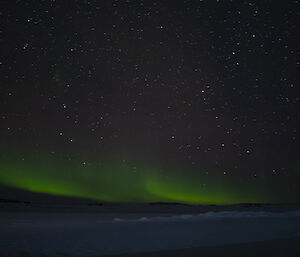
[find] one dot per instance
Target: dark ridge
(13, 201)
(97, 204)
(168, 203)
(253, 204)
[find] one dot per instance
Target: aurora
(122, 181)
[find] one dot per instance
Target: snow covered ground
(104, 234)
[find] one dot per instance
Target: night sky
(140, 101)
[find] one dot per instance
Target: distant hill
(14, 195)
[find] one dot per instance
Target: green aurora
(123, 182)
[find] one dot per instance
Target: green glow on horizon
(120, 182)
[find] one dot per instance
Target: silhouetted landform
(167, 203)
(13, 201)
(150, 208)
(253, 204)
(97, 204)
(35, 197)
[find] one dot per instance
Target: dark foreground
(149, 230)
(271, 248)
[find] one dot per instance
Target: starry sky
(140, 101)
